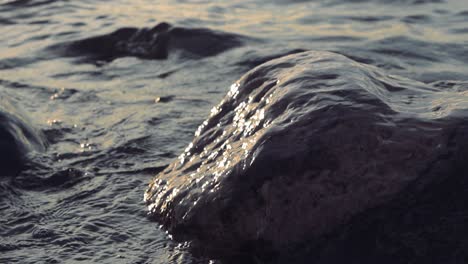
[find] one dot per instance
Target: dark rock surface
(153, 43)
(317, 153)
(17, 138)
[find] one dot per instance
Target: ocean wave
(154, 43)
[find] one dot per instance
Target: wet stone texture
(319, 152)
(18, 137)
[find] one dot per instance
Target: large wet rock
(304, 145)
(18, 137)
(153, 43)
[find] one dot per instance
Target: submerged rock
(301, 147)
(17, 138)
(154, 43)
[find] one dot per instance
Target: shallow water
(113, 122)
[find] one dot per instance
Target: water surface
(113, 122)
